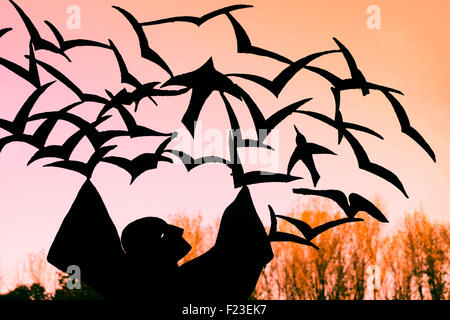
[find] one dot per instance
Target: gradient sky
(409, 53)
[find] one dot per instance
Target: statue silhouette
(143, 264)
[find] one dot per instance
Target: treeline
(355, 261)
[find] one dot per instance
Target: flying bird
(355, 73)
(4, 31)
(190, 163)
(133, 129)
(84, 97)
(141, 163)
(406, 126)
(277, 85)
(17, 126)
(203, 82)
(86, 169)
(364, 162)
(146, 51)
(38, 42)
(31, 75)
(241, 178)
(244, 44)
(339, 124)
(237, 130)
(94, 137)
(304, 152)
(278, 236)
(349, 83)
(125, 75)
(310, 233)
(65, 45)
(197, 20)
(351, 207)
(65, 150)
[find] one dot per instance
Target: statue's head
(152, 235)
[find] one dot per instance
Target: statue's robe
(229, 270)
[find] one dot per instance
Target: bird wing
(287, 237)
(4, 31)
(331, 224)
(61, 77)
(273, 222)
(21, 72)
(283, 113)
(244, 44)
(196, 20)
(336, 195)
(21, 118)
(365, 164)
(123, 163)
(354, 71)
(76, 166)
(318, 149)
(125, 75)
(287, 74)
(358, 127)
(406, 126)
(146, 51)
(359, 203)
(295, 157)
(302, 226)
(254, 177)
(164, 144)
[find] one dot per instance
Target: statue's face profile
(153, 236)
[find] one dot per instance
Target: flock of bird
(202, 83)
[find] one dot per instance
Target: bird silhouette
(31, 75)
(304, 152)
(84, 97)
(190, 163)
(94, 137)
(197, 20)
(310, 233)
(364, 162)
(241, 178)
(141, 163)
(125, 75)
(278, 236)
(355, 73)
(133, 129)
(277, 85)
(86, 169)
(146, 51)
(263, 126)
(244, 44)
(38, 42)
(349, 83)
(17, 126)
(203, 81)
(406, 126)
(4, 31)
(351, 206)
(65, 45)
(65, 150)
(237, 130)
(338, 122)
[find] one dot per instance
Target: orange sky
(409, 53)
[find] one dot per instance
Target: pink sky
(410, 53)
